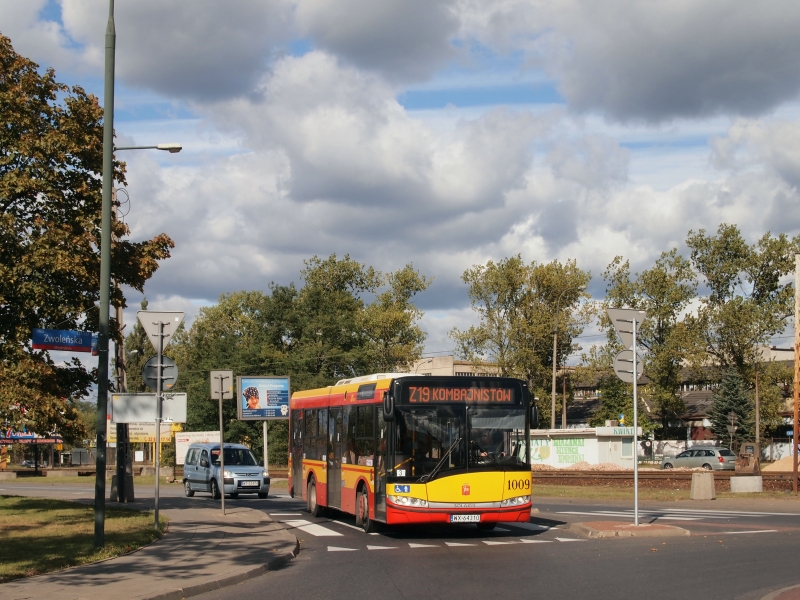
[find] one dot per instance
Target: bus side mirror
(534, 417)
(388, 406)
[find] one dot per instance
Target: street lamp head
(172, 148)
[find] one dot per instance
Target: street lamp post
(555, 354)
(105, 274)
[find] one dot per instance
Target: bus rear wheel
(311, 499)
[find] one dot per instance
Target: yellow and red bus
(400, 449)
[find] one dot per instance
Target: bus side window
(310, 441)
(296, 430)
(322, 435)
(350, 429)
(365, 435)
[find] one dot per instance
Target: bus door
(297, 453)
(381, 453)
(336, 445)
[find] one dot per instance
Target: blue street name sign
(62, 339)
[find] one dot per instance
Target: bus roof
(373, 377)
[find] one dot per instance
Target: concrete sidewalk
(202, 551)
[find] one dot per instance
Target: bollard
(703, 486)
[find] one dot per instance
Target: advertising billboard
(184, 439)
(263, 398)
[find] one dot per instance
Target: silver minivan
(243, 473)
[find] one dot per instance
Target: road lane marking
(381, 547)
(532, 526)
(312, 528)
(758, 531)
(569, 540)
(348, 525)
(524, 541)
(497, 543)
(458, 544)
(285, 514)
(337, 549)
(412, 545)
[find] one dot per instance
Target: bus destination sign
(426, 394)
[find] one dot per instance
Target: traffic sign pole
(158, 415)
(221, 445)
(635, 436)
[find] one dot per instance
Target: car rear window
(726, 453)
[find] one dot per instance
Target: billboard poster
(184, 439)
(140, 433)
(263, 398)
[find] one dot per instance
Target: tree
(747, 302)
(320, 333)
(519, 307)
(50, 212)
(667, 335)
(616, 398)
(732, 397)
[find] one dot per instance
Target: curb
(590, 532)
(202, 588)
(779, 593)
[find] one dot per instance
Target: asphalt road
(738, 549)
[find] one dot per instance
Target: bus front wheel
(311, 498)
(362, 512)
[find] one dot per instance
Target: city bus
(396, 449)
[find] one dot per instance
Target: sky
(442, 133)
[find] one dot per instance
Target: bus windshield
(484, 439)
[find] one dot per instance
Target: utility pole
(796, 368)
(105, 282)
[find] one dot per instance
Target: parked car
(243, 474)
(29, 464)
(711, 459)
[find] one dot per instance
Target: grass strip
(42, 535)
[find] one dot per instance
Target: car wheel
(313, 507)
(707, 466)
(667, 466)
(215, 490)
(262, 495)
(187, 489)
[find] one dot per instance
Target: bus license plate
(465, 518)
(249, 484)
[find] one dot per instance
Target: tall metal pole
(159, 376)
(796, 368)
(105, 283)
(553, 409)
(266, 451)
(635, 436)
(564, 399)
(221, 445)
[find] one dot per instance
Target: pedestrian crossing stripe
(312, 528)
(422, 545)
(381, 547)
(458, 544)
(337, 549)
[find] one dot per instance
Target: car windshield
(481, 438)
(234, 457)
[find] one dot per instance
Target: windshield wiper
(429, 477)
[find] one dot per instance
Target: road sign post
(219, 390)
(621, 318)
(160, 325)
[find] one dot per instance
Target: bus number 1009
(519, 484)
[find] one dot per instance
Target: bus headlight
(517, 501)
(408, 501)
